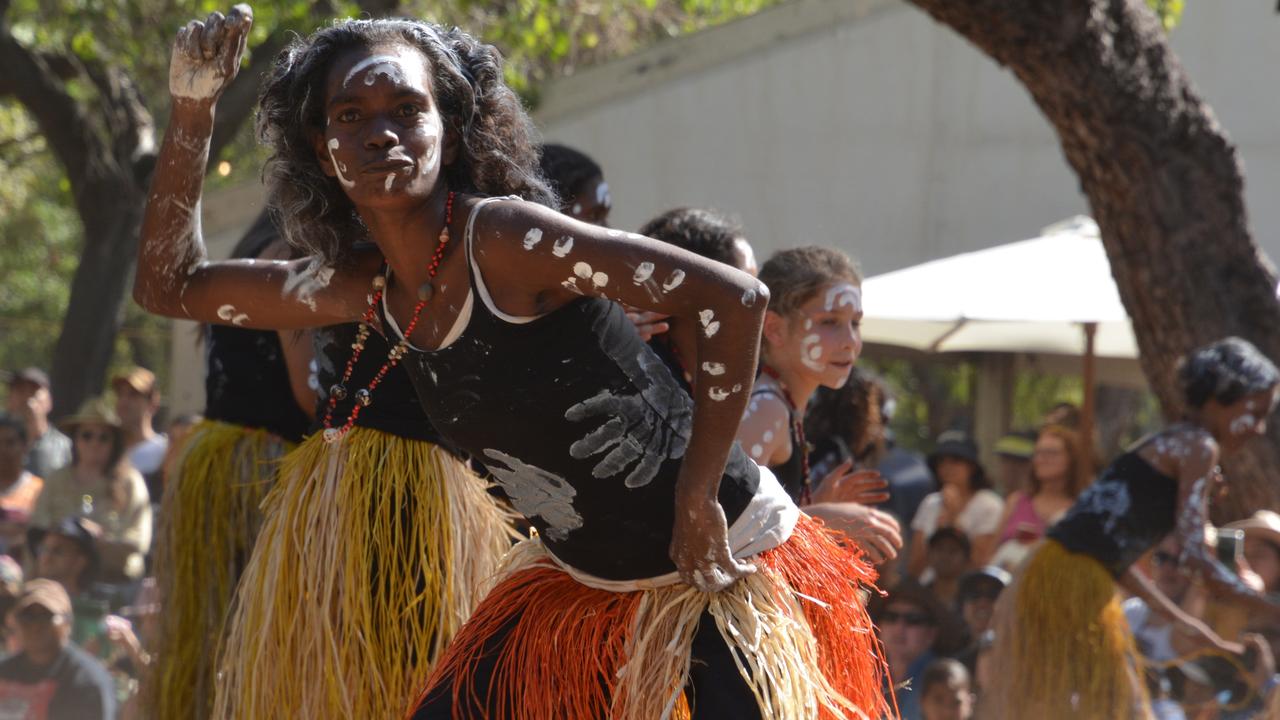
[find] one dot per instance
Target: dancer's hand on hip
(700, 547)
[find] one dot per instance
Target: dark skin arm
(296, 346)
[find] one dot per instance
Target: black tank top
(1127, 511)
(791, 472)
(395, 408)
(246, 379)
(579, 422)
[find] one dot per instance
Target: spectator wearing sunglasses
(102, 486)
(915, 629)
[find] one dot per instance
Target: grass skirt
(799, 626)
(374, 551)
(209, 520)
(1063, 646)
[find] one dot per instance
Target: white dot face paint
(338, 167)
(811, 351)
(532, 238)
(713, 368)
(757, 452)
(582, 270)
(644, 271)
(717, 393)
(710, 325)
(768, 436)
(843, 294)
(378, 66)
(562, 247)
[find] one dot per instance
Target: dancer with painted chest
(378, 540)
(1063, 647)
(669, 568)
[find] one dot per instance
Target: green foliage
(1169, 12)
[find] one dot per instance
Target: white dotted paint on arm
(562, 247)
(231, 315)
(532, 238)
(673, 280)
(644, 271)
(710, 325)
(713, 368)
(303, 284)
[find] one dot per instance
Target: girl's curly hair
(497, 153)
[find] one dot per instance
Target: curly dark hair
(853, 413)
(794, 276)
(497, 151)
(1225, 371)
(568, 171)
(702, 232)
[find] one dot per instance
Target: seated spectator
(68, 555)
(1153, 632)
(10, 589)
(101, 485)
(1013, 452)
(1262, 546)
(978, 591)
(51, 677)
(914, 628)
(19, 488)
(946, 692)
(1059, 472)
(963, 501)
(137, 400)
(948, 559)
(29, 401)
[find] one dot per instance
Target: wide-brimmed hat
(95, 410)
(1263, 524)
(958, 444)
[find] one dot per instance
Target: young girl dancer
(257, 407)
(660, 543)
(1063, 647)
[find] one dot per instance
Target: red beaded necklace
(364, 396)
(797, 427)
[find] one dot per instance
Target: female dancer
(257, 407)
(1062, 611)
(389, 130)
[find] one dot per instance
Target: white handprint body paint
(387, 66)
(303, 284)
(643, 430)
(339, 168)
(536, 493)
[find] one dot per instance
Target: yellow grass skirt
(799, 627)
(1063, 646)
(374, 551)
(208, 523)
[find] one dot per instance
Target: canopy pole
(1090, 380)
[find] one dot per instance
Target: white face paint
(303, 284)
(582, 270)
(713, 368)
(562, 247)
(673, 280)
(387, 66)
(391, 178)
(757, 452)
(644, 271)
(532, 238)
(768, 436)
(843, 294)
(710, 325)
(808, 323)
(810, 351)
(338, 167)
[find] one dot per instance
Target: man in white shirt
(137, 400)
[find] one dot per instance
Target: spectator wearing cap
(137, 400)
(29, 400)
(68, 555)
(51, 678)
(976, 600)
(19, 487)
(1013, 455)
(1262, 546)
(915, 629)
(102, 486)
(964, 501)
(1060, 471)
(948, 559)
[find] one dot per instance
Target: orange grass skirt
(799, 627)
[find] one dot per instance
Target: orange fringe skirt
(799, 629)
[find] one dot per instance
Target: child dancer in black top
(660, 542)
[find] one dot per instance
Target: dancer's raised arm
(174, 277)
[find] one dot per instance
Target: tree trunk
(1163, 182)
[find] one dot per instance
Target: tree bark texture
(1162, 179)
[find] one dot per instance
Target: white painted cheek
(644, 271)
(562, 247)
(532, 238)
(811, 352)
(673, 280)
(338, 167)
(391, 178)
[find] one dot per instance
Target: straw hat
(96, 410)
(1263, 524)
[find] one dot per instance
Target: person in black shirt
(51, 678)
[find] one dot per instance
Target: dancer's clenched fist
(206, 55)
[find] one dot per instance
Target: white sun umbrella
(1033, 296)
